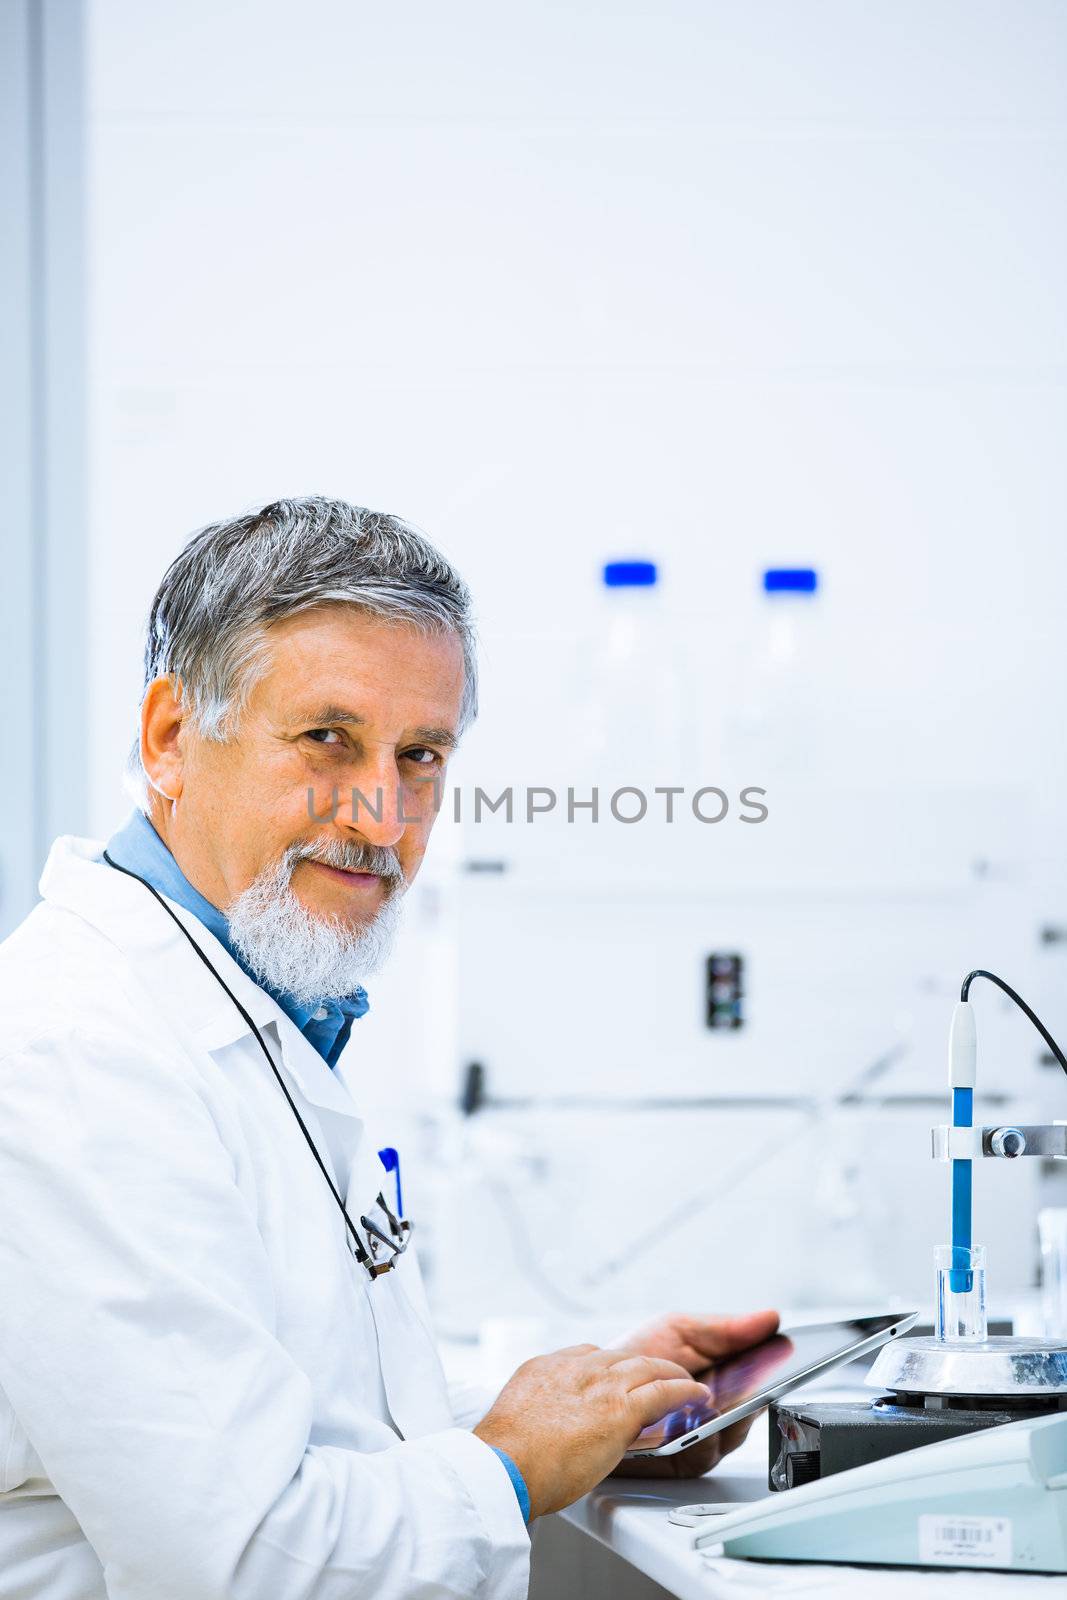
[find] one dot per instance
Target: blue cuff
(518, 1482)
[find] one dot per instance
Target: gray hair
(219, 597)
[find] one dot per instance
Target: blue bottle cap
(629, 574)
(790, 580)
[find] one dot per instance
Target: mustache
(349, 857)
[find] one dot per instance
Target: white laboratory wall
(725, 284)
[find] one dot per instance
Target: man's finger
(692, 1359)
(637, 1370)
(717, 1337)
(654, 1400)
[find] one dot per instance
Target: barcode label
(965, 1541)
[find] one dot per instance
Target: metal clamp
(1003, 1141)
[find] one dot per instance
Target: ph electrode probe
(961, 1287)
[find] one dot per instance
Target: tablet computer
(746, 1383)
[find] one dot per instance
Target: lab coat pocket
(414, 1381)
(19, 1461)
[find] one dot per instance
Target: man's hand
(697, 1343)
(566, 1419)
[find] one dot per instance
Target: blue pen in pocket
(390, 1160)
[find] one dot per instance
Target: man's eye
(422, 757)
(323, 735)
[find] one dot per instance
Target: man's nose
(374, 809)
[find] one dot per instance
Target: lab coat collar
(77, 878)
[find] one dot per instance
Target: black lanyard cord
(357, 1243)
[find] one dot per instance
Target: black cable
(980, 972)
(360, 1252)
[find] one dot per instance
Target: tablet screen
(779, 1363)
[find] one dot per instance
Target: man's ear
(162, 715)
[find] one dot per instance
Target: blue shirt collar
(137, 846)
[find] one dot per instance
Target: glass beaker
(1052, 1232)
(961, 1313)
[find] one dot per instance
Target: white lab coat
(202, 1395)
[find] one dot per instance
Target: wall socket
(724, 990)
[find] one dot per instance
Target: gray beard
(314, 958)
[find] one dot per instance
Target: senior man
(217, 1374)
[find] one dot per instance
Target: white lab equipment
(961, 1460)
(992, 1500)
